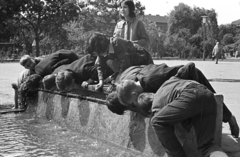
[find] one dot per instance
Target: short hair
(98, 42)
(131, 7)
(124, 90)
(63, 79)
(32, 81)
(49, 81)
(114, 105)
(24, 59)
(145, 103)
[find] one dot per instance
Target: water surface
(22, 135)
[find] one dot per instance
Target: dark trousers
(195, 104)
(217, 57)
(189, 71)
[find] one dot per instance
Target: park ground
(224, 77)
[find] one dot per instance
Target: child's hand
(85, 85)
(110, 89)
(99, 86)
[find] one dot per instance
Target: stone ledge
(131, 132)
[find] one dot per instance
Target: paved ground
(8, 74)
(228, 70)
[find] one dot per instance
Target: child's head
(32, 82)
(145, 103)
(128, 91)
(64, 80)
(127, 9)
(49, 82)
(98, 44)
(114, 105)
(27, 62)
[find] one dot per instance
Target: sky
(227, 10)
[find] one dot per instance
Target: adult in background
(149, 79)
(189, 103)
(130, 27)
(216, 52)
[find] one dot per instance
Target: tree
(186, 28)
(99, 16)
(183, 16)
(179, 18)
(152, 31)
(228, 28)
(230, 36)
(176, 45)
(102, 15)
(43, 16)
(228, 39)
(56, 23)
(7, 24)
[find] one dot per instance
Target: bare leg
(14, 86)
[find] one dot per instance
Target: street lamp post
(204, 21)
(158, 40)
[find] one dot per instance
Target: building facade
(160, 21)
(237, 23)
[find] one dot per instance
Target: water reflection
(24, 136)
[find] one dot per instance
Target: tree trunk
(37, 46)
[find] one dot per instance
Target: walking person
(216, 52)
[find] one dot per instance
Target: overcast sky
(227, 10)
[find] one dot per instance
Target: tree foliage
(187, 29)
(230, 37)
(68, 23)
(7, 22)
(41, 17)
(183, 16)
(99, 16)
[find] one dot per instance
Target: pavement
(225, 79)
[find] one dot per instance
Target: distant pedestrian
(236, 54)
(216, 52)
